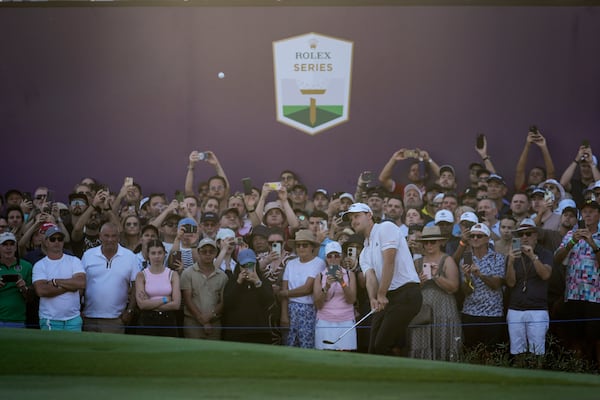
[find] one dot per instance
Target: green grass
(51, 365)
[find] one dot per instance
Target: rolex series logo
(312, 81)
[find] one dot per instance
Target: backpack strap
(441, 270)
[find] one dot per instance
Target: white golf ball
(221, 75)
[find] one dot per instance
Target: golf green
(57, 365)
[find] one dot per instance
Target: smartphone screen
(323, 225)
(247, 184)
(516, 244)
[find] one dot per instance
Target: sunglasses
(56, 239)
(477, 236)
(334, 255)
(41, 196)
(207, 251)
(9, 243)
(527, 234)
(78, 203)
(303, 245)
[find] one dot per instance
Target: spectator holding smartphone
(588, 173)
(334, 294)
(439, 281)
(297, 308)
(246, 300)
(537, 174)
(15, 283)
(528, 269)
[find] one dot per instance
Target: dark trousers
(490, 331)
(390, 326)
(157, 323)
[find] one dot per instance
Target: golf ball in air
(221, 75)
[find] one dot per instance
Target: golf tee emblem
(313, 75)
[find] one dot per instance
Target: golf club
(349, 329)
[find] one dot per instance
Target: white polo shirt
(386, 235)
(108, 282)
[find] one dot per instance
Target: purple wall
(116, 91)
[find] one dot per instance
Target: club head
(328, 342)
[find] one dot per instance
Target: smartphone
(174, 257)
(10, 278)
(366, 176)
(411, 154)
(480, 141)
(534, 129)
(548, 197)
(202, 155)
(190, 228)
(351, 253)
(332, 270)
(516, 244)
(179, 196)
(585, 143)
(27, 196)
(581, 224)
(247, 184)
(468, 258)
(239, 240)
(323, 225)
(274, 185)
(250, 266)
(427, 270)
(276, 247)
(129, 181)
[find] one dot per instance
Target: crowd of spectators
(278, 264)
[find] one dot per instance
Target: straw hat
(431, 233)
(304, 235)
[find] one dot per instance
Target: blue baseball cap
(246, 256)
(187, 221)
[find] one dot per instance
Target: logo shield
(313, 74)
